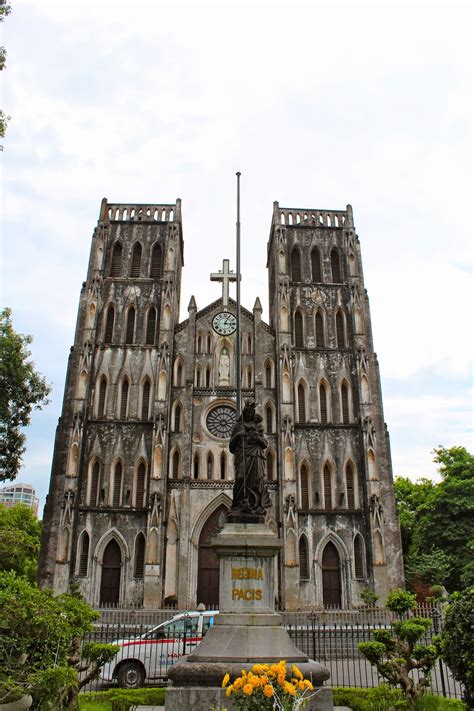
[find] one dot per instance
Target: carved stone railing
(129, 212)
(311, 217)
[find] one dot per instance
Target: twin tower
(142, 475)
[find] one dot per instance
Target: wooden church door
(208, 563)
(332, 592)
(111, 571)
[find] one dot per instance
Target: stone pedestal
(246, 631)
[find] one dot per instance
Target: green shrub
(383, 698)
(122, 699)
(458, 641)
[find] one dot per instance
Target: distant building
(19, 494)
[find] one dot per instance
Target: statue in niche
(250, 500)
(224, 367)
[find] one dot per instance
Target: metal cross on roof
(225, 276)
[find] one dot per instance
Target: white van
(150, 655)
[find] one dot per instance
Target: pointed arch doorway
(331, 567)
(208, 563)
(111, 572)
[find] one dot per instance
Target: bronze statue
(250, 497)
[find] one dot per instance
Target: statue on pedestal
(250, 500)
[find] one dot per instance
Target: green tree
(436, 521)
(22, 388)
(458, 641)
(41, 645)
(397, 652)
(19, 540)
(5, 10)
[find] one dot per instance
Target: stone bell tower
(340, 526)
(103, 513)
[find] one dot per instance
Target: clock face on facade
(224, 323)
(220, 421)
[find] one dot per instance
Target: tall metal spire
(237, 336)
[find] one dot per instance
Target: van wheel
(131, 675)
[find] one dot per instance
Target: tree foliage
(458, 641)
(5, 9)
(40, 644)
(22, 388)
(436, 522)
(398, 651)
(19, 540)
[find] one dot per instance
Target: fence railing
(146, 653)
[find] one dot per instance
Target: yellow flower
(229, 690)
(301, 685)
(308, 684)
(225, 680)
(289, 688)
(238, 683)
(268, 690)
(281, 678)
(255, 681)
(296, 672)
(248, 689)
(257, 669)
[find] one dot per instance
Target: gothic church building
(142, 476)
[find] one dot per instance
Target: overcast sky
(318, 105)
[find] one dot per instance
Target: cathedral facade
(142, 475)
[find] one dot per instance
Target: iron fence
(329, 637)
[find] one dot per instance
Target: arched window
(179, 374)
(270, 464)
(196, 466)
(268, 374)
(209, 343)
(223, 464)
(109, 324)
(199, 343)
(269, 419)
(156, 262)
(139, 566)
(117, 485)
(303, 558)
(136, 260)
(316, 265)
(319, 328)
(249, 344)
(340, 330)
(198, 377)
(83, 554)
(295, 264)
(124, 399)
(130, 327)
(95, 484)
(177, 418)
(327, 485)
(116, 263)
(102, 398)
(323, 404)
(350, 487)
(208, 377)
(299, 336)
(345, 403)
(175, 464)
(358, 557)
(210, 465)
(150, 327)
(304, 492)
(249, 376)
(140, 486)
(301, 404)
(146, 399)
(336, 266)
